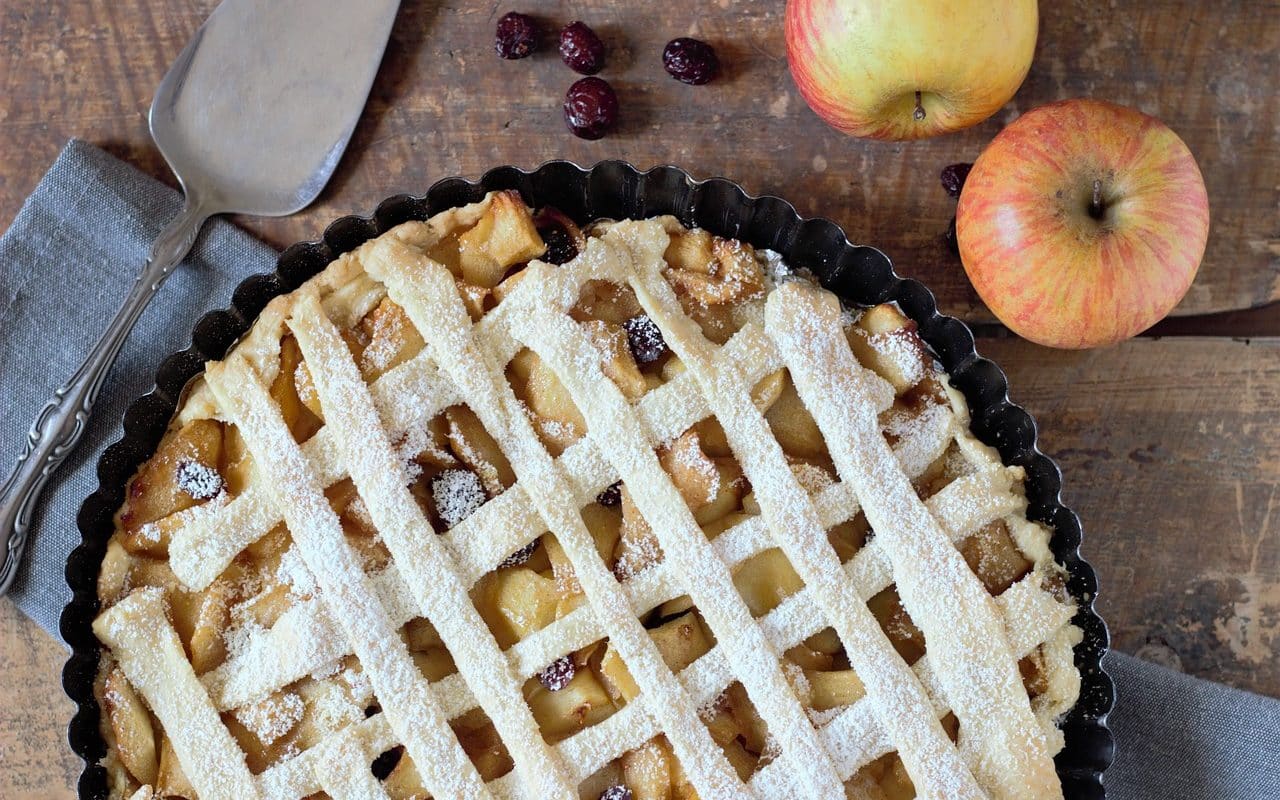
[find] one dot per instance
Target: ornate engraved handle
(62, 421)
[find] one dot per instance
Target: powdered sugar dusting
(199, 480)
(293, 573)
(958, 619)
(458, 493)
(339, 709)
(273, 717)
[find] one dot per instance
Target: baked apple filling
(257, 622)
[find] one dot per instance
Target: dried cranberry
(561, 235)
(520, 556)
(611, 496)
(516, 36)
(581, 49)
(616, 792)
(644, 337)
(590, 108)
(690, 61)
(457, 494)
(383, 764)
(558, 673)
(560, 245)
(953, 177)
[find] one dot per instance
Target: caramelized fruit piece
(607, 302)
(557, 419)
(504, 236)
(682, 641)
(994, 557)
(131, 726)
(712, 488)
(579, 704)
(302, 422)
(647, 771)
(171, 781)
(404, 782)
(391, 340)
(793, 426)
(848, 537)
(480, 741)
(809, 658)
(885, 341)
(731, 275)
(154, 492)
(690, 251)
(717, 322)
(754, 732)
(833, 689)
(1034, 675)
(605, 525)
(616, 359)
(902, 632)
(765, 580)
(692, 471)
(616, 679)
(637, 547)
(515, 602)
(207, 648)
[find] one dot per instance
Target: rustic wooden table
(1170, 446)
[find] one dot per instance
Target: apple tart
(498, 506)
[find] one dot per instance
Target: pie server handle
(62, 421)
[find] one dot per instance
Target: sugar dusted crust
(462, 515)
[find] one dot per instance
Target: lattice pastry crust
(661, 520)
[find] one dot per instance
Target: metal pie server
(252, 119)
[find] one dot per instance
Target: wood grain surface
(1171, 447)
(444, 104)
(1171, 452)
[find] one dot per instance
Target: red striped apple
(908, 69)
(1083, 223)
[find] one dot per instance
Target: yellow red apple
(908, 69)
(1083, 223)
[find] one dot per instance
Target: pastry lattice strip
(409, 395)
(854, 734)
(1003, 741)
(407, 701)
(787, 510)
(426, 291)
(421, 372)
(441, 593)
(966, 505)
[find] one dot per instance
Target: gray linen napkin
(71, 256)
(66, 264)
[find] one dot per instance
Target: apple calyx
(918, 114)
(1097, 209)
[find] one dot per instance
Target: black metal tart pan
(861, 275)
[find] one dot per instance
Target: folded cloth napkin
(66, 265)
(71, 256)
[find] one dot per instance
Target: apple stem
(919, 112)
(1095, 203)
